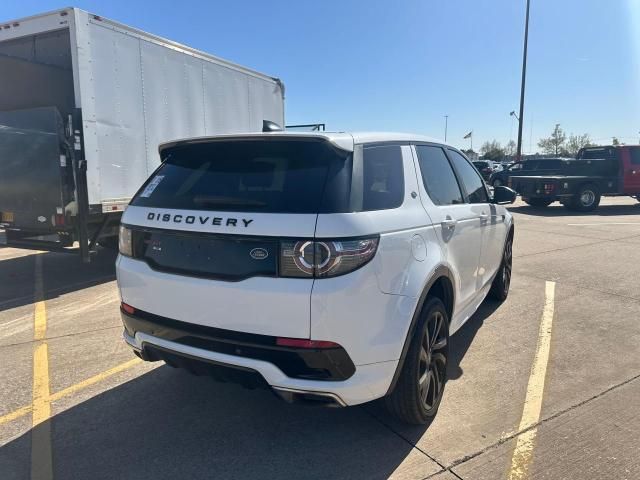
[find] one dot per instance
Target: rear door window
(382, 177)
(270, 176)
(473, 183)
(437, 176)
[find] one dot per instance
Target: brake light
(127, 308)
(325, 258)
(303, 343)
(59, 219)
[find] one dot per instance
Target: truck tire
(539, 202)
(586, 200)
(417, 394)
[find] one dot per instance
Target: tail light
(325, 258)
(125, 241)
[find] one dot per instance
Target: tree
(555, 143)
(510, 148)
(576, 142)
(615, 141)
(492, 150)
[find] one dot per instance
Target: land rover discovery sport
(328, 267)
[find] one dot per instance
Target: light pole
(524, 76)
(513, 114)
(446, 122)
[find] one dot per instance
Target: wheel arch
(441, 285)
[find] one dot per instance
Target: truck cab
(627, 158)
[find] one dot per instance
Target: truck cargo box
(118, 93)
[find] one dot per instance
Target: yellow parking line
(523, 453)
(95, 379)
(41, 456)
(22, 411)
(41, 405)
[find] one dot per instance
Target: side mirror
(503, 195)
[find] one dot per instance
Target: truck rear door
(32, 169)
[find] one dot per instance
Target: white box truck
(84, 103)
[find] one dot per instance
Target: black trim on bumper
(221, 372)
(331, 364)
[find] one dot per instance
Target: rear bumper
(328, 364)
(326, 375)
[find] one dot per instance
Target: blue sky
(402, 65)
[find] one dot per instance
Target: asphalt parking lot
(545, 385)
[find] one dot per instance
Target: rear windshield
(271, 176)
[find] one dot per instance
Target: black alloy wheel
(423, 375)
(432, 369)
(502, 282)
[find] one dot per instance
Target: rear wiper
(219, 200)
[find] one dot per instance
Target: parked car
(597, 172)
(524, 168)
(485, 167)
(329, 267)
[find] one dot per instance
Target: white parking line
(599, 224)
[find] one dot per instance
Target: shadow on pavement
(169, 424)
(62, 273)
(557, 210)
(462, 339)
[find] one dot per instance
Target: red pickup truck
(596, 171)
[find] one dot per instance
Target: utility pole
(446, 122)
(524, 76)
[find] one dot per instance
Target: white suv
(328, 267)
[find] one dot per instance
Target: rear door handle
(484, 217)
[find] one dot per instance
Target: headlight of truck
(124, 241)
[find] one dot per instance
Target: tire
(501, 283)
(587, 199)
(497, 183)
(418, 391)
(539, 202)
